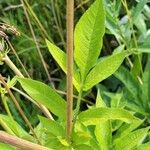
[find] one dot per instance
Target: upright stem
(124, 2)
(70, 27)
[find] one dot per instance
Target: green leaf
(146, 79)
(125, 129)
(52, 126)
(45, 95)
(104, 68)
(88, 36)
(131, 140)
(99, 100)
(138, 9)
(61, 58)
(6, 147)
(133, 88)
(144, 146)
(93, 116)
(16, 128)
(103, 131)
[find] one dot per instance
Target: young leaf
(93, 116)
(89, 32)
(125, 129)
(52, 126)
(104, 68)
(103, 131)
(61, 58)
(45, 95)
(131, 140)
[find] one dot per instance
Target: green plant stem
(124, 2)
(78, 106)
(20, 143)
(70, 28)
(36, 43)
(18, 107)
(123, 39)
(8, 111)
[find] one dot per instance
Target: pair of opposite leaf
(89, 70)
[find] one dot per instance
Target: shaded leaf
(131, 140)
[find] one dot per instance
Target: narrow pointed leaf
(61, 58)
(103, 130)
(45, 95)
(104, 68)
(89, 32)
(131, 140)
(134, 89)
(125, 129)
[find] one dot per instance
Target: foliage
(118, 119)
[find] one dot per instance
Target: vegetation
(93, 98)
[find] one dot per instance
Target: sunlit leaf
(45, 95)
(104, 68)
(89, 33)
(93, 116)
(61, 58)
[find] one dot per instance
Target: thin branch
(18, 107)
(12, 66)
(18, 73)
(19, 143)
(12, 7)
